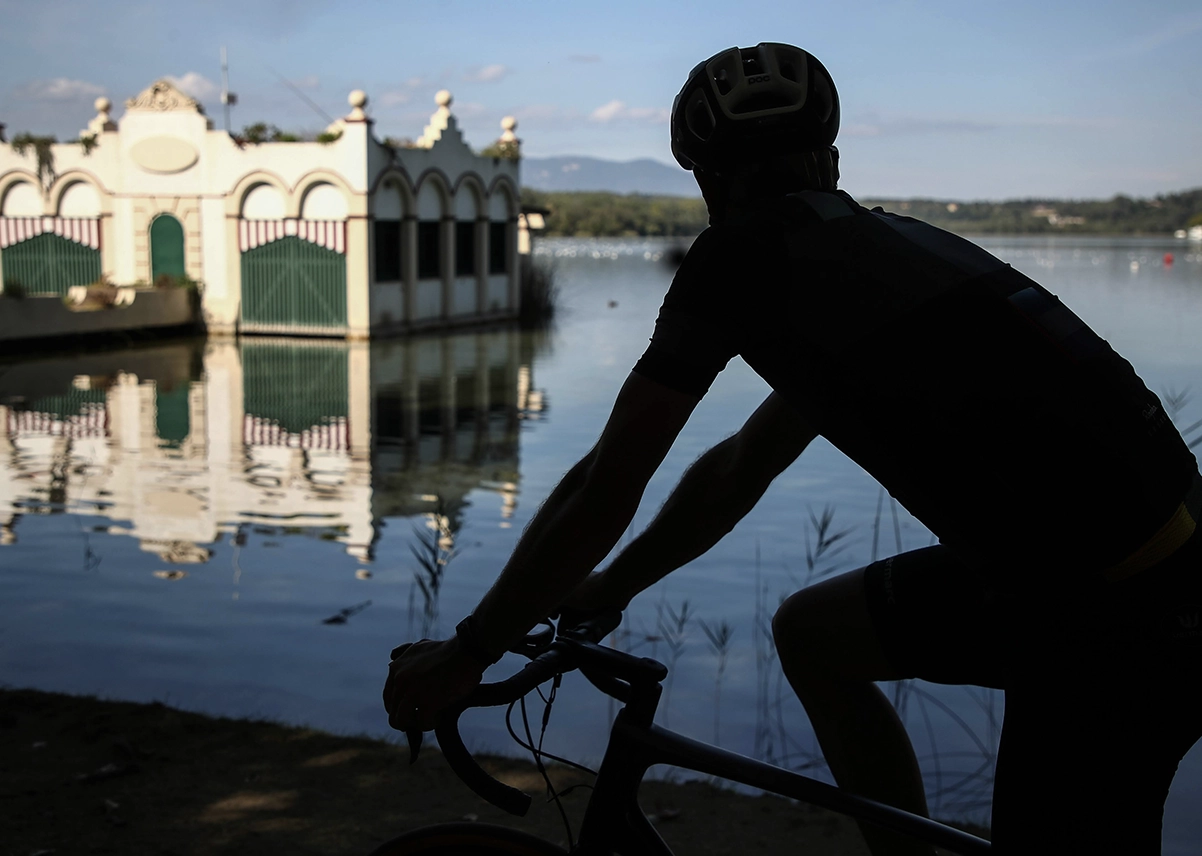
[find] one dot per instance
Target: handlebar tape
(541, 668)
(465, 767)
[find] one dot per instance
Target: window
(390, 416)
(388, 250)
(498, 248)
(465, 249)
(429, 249)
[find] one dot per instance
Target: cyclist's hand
(588, 600)
(424, 678)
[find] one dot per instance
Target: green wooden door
(166, 247)
(293, 285)
(172, 420)
(50, 264)
(297, 387)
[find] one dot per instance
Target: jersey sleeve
(699, 327)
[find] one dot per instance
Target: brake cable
(538, 754)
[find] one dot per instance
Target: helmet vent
(788, 71)
(722, 82)
(751, 64)
(699, 117)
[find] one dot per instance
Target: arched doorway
(166, 247)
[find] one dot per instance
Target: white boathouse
(347, 237)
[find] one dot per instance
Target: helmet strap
(821, 169)
(783, 174)
(752, 182)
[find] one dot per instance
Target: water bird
(344, 614)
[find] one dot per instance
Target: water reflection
(272, 462)
(181, 444)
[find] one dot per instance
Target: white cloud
(650, 114)
(59, 89)
(486, 74)
(195, 84)
(608, 112)
(616, 109)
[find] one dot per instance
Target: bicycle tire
(468, 839)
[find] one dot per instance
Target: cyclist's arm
(586, 513)
(713, 495)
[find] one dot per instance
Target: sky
(955, 100)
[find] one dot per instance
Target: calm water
(179, 521)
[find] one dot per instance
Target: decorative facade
(348, 237)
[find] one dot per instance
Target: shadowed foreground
(78, 775)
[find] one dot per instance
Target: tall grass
(1174, 403)
(434, 548)
(719, 636)
(671, 625)
(539, 295)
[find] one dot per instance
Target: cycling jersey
(982, 403)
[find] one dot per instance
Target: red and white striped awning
(330, 234)
(81, 230)
(92, 422)
(334, 435)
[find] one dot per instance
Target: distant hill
(607, 213)
(571, 173)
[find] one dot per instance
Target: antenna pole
(225, 89)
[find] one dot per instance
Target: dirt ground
(79, 775)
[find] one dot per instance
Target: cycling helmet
(747, 104)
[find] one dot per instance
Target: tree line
(597, 214)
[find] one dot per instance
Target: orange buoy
(1168, 259)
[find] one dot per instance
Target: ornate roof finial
(507, 126)
(102, 122)
(358, 100)
(441, 121)
(163, 96)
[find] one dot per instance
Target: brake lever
(535, 643)
(414, 736)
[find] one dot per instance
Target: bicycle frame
(614, 822)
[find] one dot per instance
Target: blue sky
(956, 99)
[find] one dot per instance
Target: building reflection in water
(179, 444)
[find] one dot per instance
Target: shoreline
(79, 774)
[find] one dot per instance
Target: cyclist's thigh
(937, 618)
(924, 613)
(827, 626)
(1088, 753)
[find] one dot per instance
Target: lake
(248, 528)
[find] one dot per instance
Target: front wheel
(468, 839)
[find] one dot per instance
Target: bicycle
(613, 821)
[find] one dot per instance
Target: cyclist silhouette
(1068, 569)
